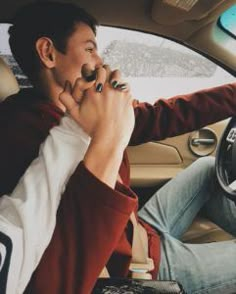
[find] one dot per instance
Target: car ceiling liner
(172, 12)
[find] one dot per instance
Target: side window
(5, 53)
(156, 67)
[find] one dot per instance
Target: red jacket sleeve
(90, 222)
(23, 127)
(91, 216)
(182, 114)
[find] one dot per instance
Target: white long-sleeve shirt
(28, 216)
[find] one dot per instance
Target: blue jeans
(200, 268)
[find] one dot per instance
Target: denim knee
(205, 166)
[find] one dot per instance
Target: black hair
(54, 20)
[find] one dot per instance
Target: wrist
(110, 137)
(104, 160)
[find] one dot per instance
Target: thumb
(68, 101)
(80, 86)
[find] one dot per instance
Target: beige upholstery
(204, 231)
(8, 82)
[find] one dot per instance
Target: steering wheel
(226, 160)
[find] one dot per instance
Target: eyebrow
(93, 42)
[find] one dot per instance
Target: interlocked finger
(80, 86)
(117, 83)
(78, 89)
(67, 100)
(108, 72)
(123, 87)
(115, 78)
(101, 78)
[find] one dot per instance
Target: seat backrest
(8, 82)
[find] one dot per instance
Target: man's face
(81, 49)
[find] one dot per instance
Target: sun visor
(172, 12)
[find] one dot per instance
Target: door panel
(156, 162)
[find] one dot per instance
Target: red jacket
(93, 227)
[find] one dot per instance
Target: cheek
(74, 64)
(69, 66)
(68, 70)
(73, 69)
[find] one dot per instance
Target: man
(28, 216)
(95, 221)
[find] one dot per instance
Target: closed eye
(90, 50)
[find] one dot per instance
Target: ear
(46, 51)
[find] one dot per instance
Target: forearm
(183, 113)
(104, 160)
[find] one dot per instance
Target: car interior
(193, 24)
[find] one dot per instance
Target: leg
(173, 207)
(220, 210)
(200, 268)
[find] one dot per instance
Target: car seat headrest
(8, 82)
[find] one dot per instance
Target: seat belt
(141, 264)
(104, 273)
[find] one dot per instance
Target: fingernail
(122, 87)
(91, 77)
(88, 74)
(114, 84)
(99, 88)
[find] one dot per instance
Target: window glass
(156, 67)
(227, 21)
(5, 53)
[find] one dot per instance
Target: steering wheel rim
(226, 160)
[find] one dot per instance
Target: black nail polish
(91, 77)
(88, 74)
(114, 84)
(99, 88)
(122, 86)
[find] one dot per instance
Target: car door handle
(201, 141)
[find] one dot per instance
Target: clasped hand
(102, 107)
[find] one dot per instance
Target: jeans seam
(175, 220)
(168, 261)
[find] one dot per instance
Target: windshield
(227, 21)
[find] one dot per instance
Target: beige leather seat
(204, 231)
(8, 82)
